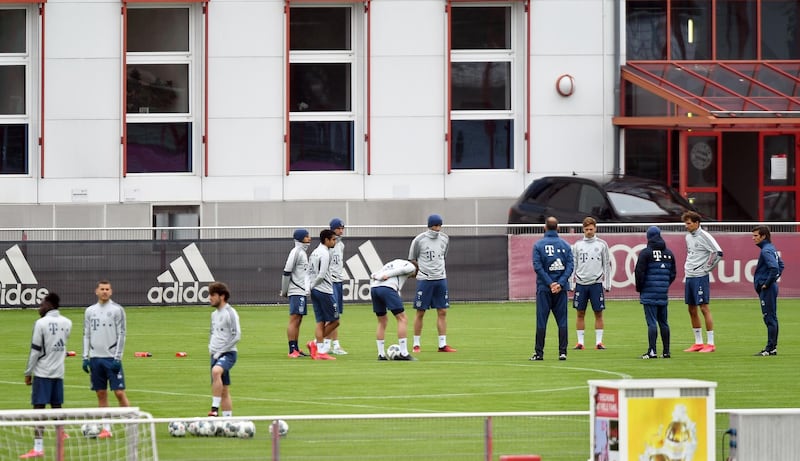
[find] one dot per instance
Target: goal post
(72, 433)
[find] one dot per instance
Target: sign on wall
(732, 278)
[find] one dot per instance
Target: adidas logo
(15, 272)
(358, 267)
(557, 265)
(181, 283)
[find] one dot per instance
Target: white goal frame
(134, 433)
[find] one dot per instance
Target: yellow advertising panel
(667, 429)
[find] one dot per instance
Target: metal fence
(277, 232)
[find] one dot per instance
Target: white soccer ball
(177, 428)
(247, 429)
(91, 431)
(231, 428)
(193, 427)
(393, 352)
(283, 427)
(206, 429)
(219, 428)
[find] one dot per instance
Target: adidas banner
(177, 272)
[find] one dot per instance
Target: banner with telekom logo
(732, 278)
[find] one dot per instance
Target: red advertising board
(732, 278)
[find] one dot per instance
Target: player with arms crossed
(45, 369)
(385, 286)
(429, 250)
(225, 334)
(703, 253)
(591, 278)
(320, 287)
(293, 285)
(104, 332)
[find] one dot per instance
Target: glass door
(701, 172)
(778, 177)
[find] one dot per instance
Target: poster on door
(668, 428)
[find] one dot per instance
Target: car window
(564, 196)
(592, 202)
(627, 205)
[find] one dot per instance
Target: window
(323, 82)
(697, 27)
(485, 102)
(161, 102)
(15, 72)
(186, 217)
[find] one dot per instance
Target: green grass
(489, 373)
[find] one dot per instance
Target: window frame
(519, 57)
(32, 117)
(360, 62)
(196, 58)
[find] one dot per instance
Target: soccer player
(553, 264)
(337, 278)
(429, 250)
(320, 287)
(385, 286)
(703, 253)
(592, 277)
(225, 334)
(45, 369)
(654, 273)
(765, 279)
(104, 332)
(293, 285)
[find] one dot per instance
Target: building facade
(283, 112)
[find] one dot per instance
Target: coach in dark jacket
(655, 272)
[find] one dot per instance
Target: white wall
(246, 112)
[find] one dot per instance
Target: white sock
(227, 413)
(327, 343)
(710, 335)
(698, 335)
(416, 340)
(381, 348)
(599, 335)
(38, 444)
(336, 344)
(215, 401)
(580, 336)
(403, 343)
(322, 348)
(442, 340)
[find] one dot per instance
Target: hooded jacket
(655, 270)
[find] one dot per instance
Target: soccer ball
(193, 427)
(231, 428)
(247, 430)
(219, 428)
(393, 352)
(91, 431)
(283, 427)
(177, 428)
(206, 429)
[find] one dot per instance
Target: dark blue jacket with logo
(769, 267)
(552, 261)
(655, 272)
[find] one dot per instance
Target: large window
(485, 103)
(160, 96)
(697, 27)
(323, 77)
(15, 72)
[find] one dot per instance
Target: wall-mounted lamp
(565, 85)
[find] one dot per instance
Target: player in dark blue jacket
(553, 264)
(655, 272)
(765, 278)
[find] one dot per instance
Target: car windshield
(646, 201)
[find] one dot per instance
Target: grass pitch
(489, 373)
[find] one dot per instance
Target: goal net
(74, 433)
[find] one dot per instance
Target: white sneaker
(339, 351)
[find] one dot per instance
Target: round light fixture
(565, 85)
